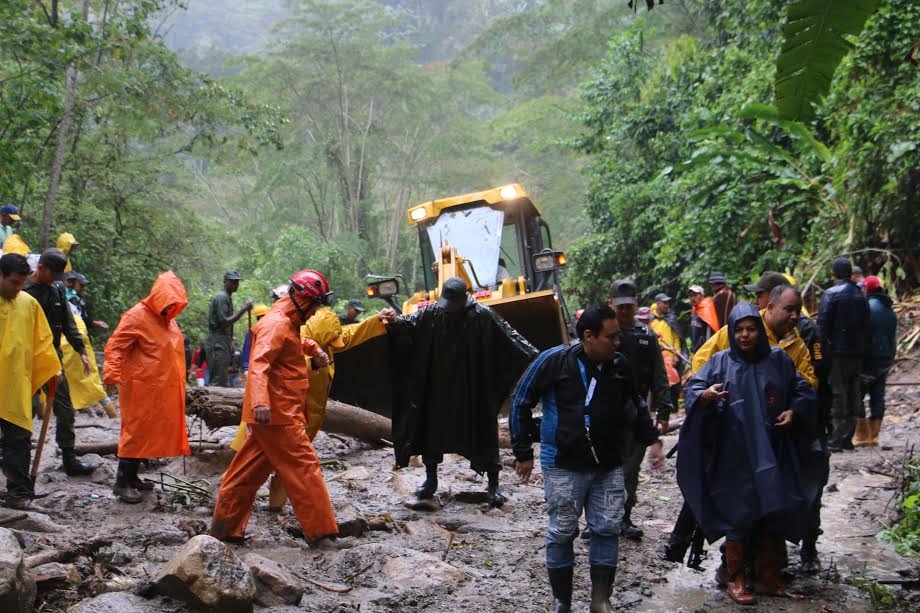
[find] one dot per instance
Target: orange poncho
(146, 358)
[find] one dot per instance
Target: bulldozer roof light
(418, 213)
(509, 192)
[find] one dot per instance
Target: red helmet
(311, 285)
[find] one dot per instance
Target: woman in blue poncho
(748, 464)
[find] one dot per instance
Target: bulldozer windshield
(477, 235)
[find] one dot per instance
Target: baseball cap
(662, 297)
(767, 281)
(356, 305)
(623, 291)
(12, 211)
(872, 283)
(232, 275)
(696, 289)
(644, 314)
(717, 278)
(54, 260)
(453, 294)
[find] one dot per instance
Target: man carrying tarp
(274, 412)
(29, 361)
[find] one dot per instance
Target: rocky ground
(460, 557)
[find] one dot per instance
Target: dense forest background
(272, 135)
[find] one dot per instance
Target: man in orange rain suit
(145, 357)
(274, 412)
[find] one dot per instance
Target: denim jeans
(602, 495)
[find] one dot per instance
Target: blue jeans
(602, 495)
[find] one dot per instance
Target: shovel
(46, 416)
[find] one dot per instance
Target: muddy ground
(464, 557)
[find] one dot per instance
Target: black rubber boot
(629, 529)
(138, 483)
(810, 562)
(428, 487)
(601, 588)
(560, 579)
(73, 466)
(124, 478)
(494, 494)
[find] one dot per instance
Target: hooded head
(747, 311)
(325, 328)
(167, 294)
(66, 242)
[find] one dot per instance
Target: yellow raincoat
(326, 331)
(85, 390)
(793, 345)
(28, 357)
(65, 243)
(15, 244)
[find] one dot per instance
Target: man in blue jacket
(880, 350)
(589, 406)
(843, 322)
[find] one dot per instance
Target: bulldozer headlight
(418, 214)
(547, 261)
(383, 289)
(509, 192)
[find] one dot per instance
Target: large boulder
(17, 587)
(206, 573)
(275, 585)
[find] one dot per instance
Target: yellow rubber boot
(875, 426)
(861, 435)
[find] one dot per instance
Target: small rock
(426, 529)
(351, 522)
(36, 522)
(471, 497)
(193, 527)
(275, 585)
(206, 573)
(426, 504)
(116, 555)
(103, 475)
(421, 571)
(403, 484)
(17, 587)
(379, 522)
(831, 488)
(55, 574)
(356, 473)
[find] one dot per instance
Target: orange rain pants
(286, 450)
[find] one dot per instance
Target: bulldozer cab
(498, 243)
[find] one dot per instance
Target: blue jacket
(883, 325)
(561, 378)
(734, 467)
(843, 320)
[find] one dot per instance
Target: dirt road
(465, 556)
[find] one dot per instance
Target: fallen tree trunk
(80, 548)
(111, 448)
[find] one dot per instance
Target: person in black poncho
(749, 464)
(453, 365)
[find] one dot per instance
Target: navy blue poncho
(735, 467)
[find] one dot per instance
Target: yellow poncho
(85, 390)
(28, 357)
(325, 329)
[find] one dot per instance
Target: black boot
(124, 479)
(430, 485)
(681, 536)
(494, 494)
(602, 588)
(560, 579)
(73, 466)
(138, 483)
(629, 529)
(808, 554)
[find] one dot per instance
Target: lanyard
(589, 394)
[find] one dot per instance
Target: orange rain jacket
(278, 374)
(145, 357)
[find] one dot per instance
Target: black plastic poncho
(735, 467)
(450, 373)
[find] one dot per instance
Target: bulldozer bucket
(536, 316)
